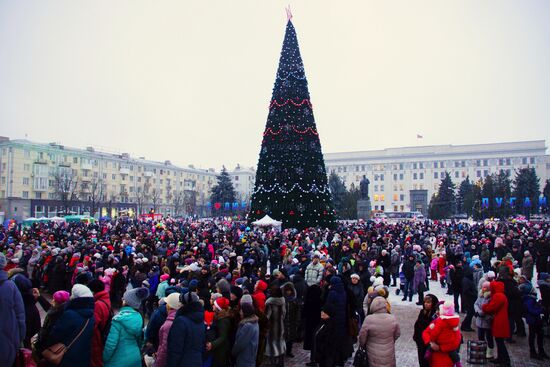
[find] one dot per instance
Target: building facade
(243, 179)
(46, 179)
(396, 172)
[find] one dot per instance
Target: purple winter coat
(162, 351)
(12, 322)
(419, 278)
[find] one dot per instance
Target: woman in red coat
(442, 262)
(498, 307)
(443, 337)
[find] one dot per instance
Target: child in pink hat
(443, 336)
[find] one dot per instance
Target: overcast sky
(191, 81)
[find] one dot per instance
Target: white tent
(57, 219)
(267, 221)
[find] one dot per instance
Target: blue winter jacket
(154, 325)
(123, 345)
(68, 326)
(532, 310)
(186, 340)
(12, 320)
(338, 298)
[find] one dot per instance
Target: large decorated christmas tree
(291, 181)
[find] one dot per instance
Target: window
(376, 197)
(414, 165)
(508, 161)
(532, 160)
(382, 207)
(27, 153)
(457, 164)
(421, 186)
(400, 165)
(381, 187)
(441, 164)
(415, 176)
(395, 176)
(104, 176)
(394, 187)
(435, 164)
(463, 174)
(356, 168)
(3, 180)
(395, 208)
(25, 194)
(463, 164)
(375, 177)
(421, 164)
(442, 175)
(26, 167)
(376, 207)
(345, 169)
(508, 172)
(457, 174)
(485, 173)
(436, 174)
(395, 196)
(478, 173)
(501, 162)
(478, 162)
(421, 175)
(38, 195)
(375, 187)
(401, 176)
(485, 162)
(401, 187)
(25, 180)
(382, 177)
(382, 198)
(402, 197)
(75, 159)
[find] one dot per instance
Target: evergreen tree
(476, 199)
(526, 185)
(503, 189)
(350, 203)
(464, 200)
(291, 181)
(223, 192)
(488, 191)
(338, 191)
(443, 204)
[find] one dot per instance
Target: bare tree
(65, 186)
(178, 198)
(141, 198)
(93, 192)
(110, 204)
(190, 201)
(155, 199)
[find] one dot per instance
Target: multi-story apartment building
(404, 179)
(43, 179)
(243, 179)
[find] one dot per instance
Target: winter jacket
(338, 298)
(12, 321)
(102, 312)
(77, 312)
(275, 312)
(154, 325)
(32, 316)
(469, 289)
(221, 345)
(379, 332)
(527, 266)
(292, 315)
(186, 340)
(498, 307)
(123, 345)
(161, 289)
(478, 275)
(483, 320)
(531, 310)
(246, 342)
(408, 269)
(163, 339)
(513, 295)
(259, 296)
(395, 262)
(419, 278)
(314, 273)
(311, 314)
(444, 331)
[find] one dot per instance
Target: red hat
(261, 285)
(164, 277)
(221, 303)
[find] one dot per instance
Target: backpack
(105, 331)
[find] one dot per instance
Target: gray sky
(190, 81)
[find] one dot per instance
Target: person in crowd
(245, 349)
(395, 263)
(55, 310)
(75, 328)
(456, 273)
(468, 296)
(513, 295)
(275, 312)
(123, 345)
(324, 353)
(533, 311)
(427, 314)
(314, 271)
(378, 334)
(312, 315)
(221, 345)
(292, 317)
(172, 302)
(527, 265)
(259, 295)
(356, 288)
(12, 321)
(483, 320)
(186, 339)
(103, 315)
(408, 271)
(497, 307)
(32, 315)
(442, 338)
(419, 280)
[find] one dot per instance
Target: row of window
(435, 164)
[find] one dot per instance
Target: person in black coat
(469, 296)
(323, 349)
(456, 275)
(32, 316)
(78, 316)
(427, 314)
(515, 306)
(312, 316)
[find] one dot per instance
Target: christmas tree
(291, 181)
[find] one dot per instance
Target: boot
(489, 354)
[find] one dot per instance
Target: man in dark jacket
(408, 271)
(186, 340)
(515, 307)
(456, 282)
(12, 322)
(469, 296)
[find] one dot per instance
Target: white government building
(404, 179)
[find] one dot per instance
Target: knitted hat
(188, 297)
(61, 297)
(490, 274)
(215, 296)
(221, 303)
(173, 300)
(356, 276)
(134, 297)
(447, 309)
(3, 261)
(164, 277)
(81, 291)
(378, 281)
(224, 286)
(247, 305)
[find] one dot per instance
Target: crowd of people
(214, 292)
